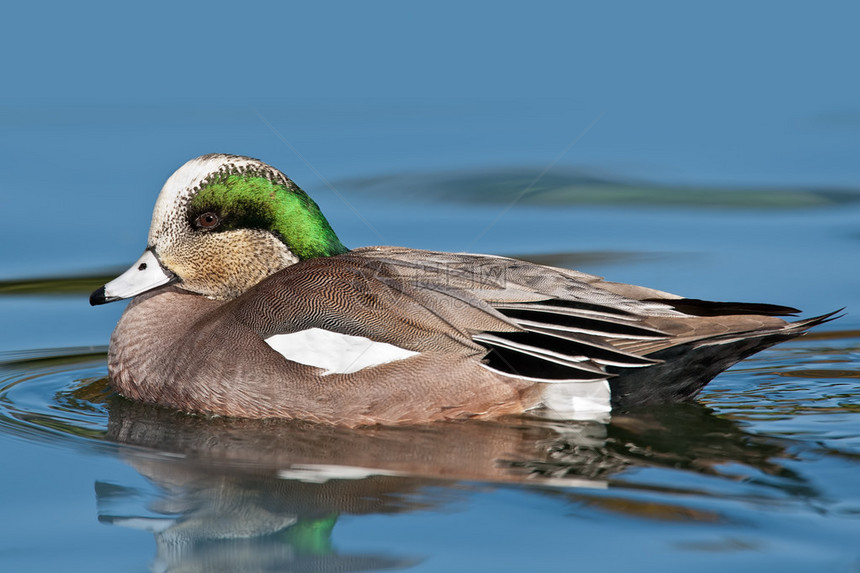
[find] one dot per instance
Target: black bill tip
(99, 297)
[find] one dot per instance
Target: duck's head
(221, 224)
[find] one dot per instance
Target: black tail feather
(687, 368)
(698, 307)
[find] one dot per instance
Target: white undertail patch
(334, 352)
(577, 400)
(570, 399)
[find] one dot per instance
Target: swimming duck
(245, 303)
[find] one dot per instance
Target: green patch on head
(255, 202)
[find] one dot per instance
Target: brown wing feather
(522, 318)
(351, 295)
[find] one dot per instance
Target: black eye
(207, 221)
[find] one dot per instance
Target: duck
(246, 304)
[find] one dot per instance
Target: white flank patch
(321, 473)
(151, 524)
(334, 352)
(578, 400)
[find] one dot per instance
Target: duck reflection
(256, 495)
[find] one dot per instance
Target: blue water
(707, 152)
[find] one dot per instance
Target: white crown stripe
(181, 186)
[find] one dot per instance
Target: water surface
(759, 473)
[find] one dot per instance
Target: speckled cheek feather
(168, 214)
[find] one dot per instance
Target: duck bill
(145, 274)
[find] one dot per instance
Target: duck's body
(248, 309)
